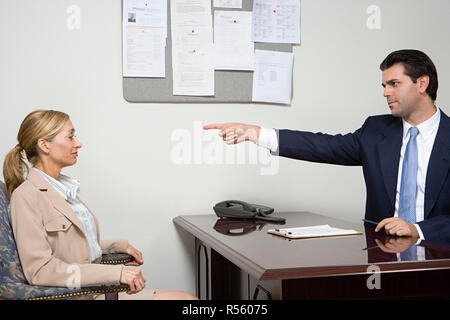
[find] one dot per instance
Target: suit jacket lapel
(55, 198)
(438, 165)
(389, 156)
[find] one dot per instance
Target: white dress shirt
(68, 188)
(425, 141)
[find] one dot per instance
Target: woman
(57, 236)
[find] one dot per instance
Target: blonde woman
(54, 230)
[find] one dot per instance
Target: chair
(14, 286)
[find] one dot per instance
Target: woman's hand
(133, 278)
(136, 254)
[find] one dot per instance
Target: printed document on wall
(276, 21)
(144, 38)
(234, 49)
(272, 79)
(192, 48)
(237, 4)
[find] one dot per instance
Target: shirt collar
(66, 186)
(426, 128)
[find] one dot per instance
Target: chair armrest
(64, 293)
(22, 291)
(116, 258)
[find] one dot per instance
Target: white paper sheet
(237, 4)
(144, 38)
(313, 232)
(234, 49)
(272, 79)
(276, 21)
(192, 48)
(144, 52)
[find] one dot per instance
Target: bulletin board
(230, 86)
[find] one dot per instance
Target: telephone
(244, 210)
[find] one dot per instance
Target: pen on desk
(370, 248)
(370, 221)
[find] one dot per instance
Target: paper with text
(192, 48)
(272, 79)
(144, 33)
(237, 4)
(312, 232)
(233, 47)
(276, 21)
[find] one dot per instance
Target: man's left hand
(398, 227)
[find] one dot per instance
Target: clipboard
(310, 232)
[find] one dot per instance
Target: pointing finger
(215, 126)
(382, 224)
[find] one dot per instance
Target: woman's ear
(43, 146)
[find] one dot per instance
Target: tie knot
(413, 131)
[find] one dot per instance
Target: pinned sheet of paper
(276, 21)
(234, 49)
(144, 30)
(236, 4)
(192, 48)
(272, 79)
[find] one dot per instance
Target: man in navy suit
(380, 146)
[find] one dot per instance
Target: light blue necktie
(408, 189)
(408, 184)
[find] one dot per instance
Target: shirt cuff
(268, 139)
(421, 237)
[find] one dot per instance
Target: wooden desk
(238, 259)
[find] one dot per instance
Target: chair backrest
(11, 273)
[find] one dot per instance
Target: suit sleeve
(319, 147)
(39, 265)
(436, 229)
(114, 246)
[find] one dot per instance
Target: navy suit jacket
(376, 147)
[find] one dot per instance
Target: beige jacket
(52, 246)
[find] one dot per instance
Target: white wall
(126, 169)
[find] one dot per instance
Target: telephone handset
(244, 210)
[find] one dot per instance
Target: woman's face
(63, 149)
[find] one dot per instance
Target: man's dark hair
(416, 64)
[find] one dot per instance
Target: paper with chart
(192, 48)
(312, 232)
(276, 21)
(233, 47)
(144, 32)
(272, 79)
(237, 4)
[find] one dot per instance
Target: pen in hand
(370, 221)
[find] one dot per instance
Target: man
(405, 156)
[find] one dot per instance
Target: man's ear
(43, 146)
(423, 83)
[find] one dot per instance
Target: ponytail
(14, 169)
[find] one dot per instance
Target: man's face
(402, 94)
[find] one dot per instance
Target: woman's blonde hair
(39, 124)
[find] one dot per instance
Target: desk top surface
(247, 244)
